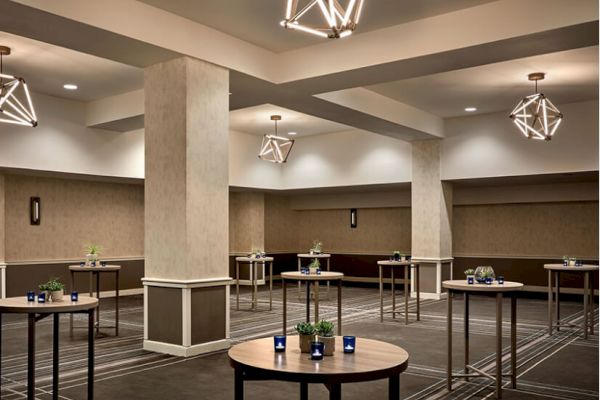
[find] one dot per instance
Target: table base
(254, 279)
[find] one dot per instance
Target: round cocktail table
(406, 265)
(37, 311)
(253, 275)
(314, 279)
(373, 360)
(510, 288)
(588, 296)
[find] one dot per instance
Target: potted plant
(54, 289)
(306, 335)
(483, 272)
(92, 253)
(470, 272)
(317, 247)
(325, 333)
(397, 255)
(314, 266)
(572, 261)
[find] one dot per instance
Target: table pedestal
(253, 274)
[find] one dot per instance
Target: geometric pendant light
(275, 148)
(13, 110)
(339, 21)
(535, 115)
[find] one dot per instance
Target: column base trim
(186, 351)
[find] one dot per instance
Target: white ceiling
(257, 21)
(256, 121)
(571, 76)
(46, 68)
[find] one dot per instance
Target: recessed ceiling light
(70, 86)
(470, 109)
(291, 133)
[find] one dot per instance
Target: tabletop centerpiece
(314, 267)
(306, 335)
(92, 254)
(317, 247)
(483, 273)
(349, 344)
(53, 289)
(325, 335)
(470, 274)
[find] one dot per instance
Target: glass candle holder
(82, 264)
(318, 271)
(470, 279)
(316, 350)
(500, 280)
(565, 262)
(489, 280)
(349, 344)
(578, 263)
(41, 297)
(93, 263)
(74, 296)
(30, 296)
(103, 263)
(279, 343)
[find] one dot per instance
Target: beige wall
(537, 229)
(379, 230)
(246, 221)
(73, 213)
(281, 225)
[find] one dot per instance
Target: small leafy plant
(305, 329)
(53, 285)
(469, 271)
(324, 328)
(486, 274)
(93, 249)
(315, 264)
(396, 252)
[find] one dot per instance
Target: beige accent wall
(246, 221)
(379, 230)
(536, 229)
(281, 225)
(73, 213)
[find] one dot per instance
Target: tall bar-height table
(588, 296)
(320, 256)
(406, 265)
(511, 289)
(95, 272)
(253, 275)
(38, 311)
(373, 360)
(314, 279)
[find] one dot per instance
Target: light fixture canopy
(275, 148)
(12, 109)
(535, 115)
(339, 21)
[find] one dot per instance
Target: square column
(186, 242)
(2, 240)
(431, 209)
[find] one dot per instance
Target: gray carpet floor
(561, 366)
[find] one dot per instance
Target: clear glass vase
(483, 272)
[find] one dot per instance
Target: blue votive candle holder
(578, 263)
(500, 280)
(316, 350)
(42, 297)
(318, 271)
(489, 281)
(93, 263)
(349, 344)
(470, 280)
(82, 264)
(30, 296)
(279, 343)
(565, 263)
(103, 263)
(74, 296)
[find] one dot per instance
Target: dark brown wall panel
(208, 314)
(165, 324)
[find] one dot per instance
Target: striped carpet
(538, 354)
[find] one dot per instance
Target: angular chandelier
(340, 21)
(535, 115)
(275, 148)
(13, 110)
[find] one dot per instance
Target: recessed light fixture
(291, 133)
(70, 86)
(470, 109)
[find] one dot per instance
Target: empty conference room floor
(564, 366)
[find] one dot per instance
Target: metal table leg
(550, 301)
(71, 315)
(308, 301)
(586, 285)
(466, 333)
(499, 345)
(316, 283)
(449, 342)
(271, 286)
(254, 273)
(237, 285)
(393, 295)
(418, 293)
(339, 306)
(380, 293)
(55, 338)
(557, 299)
(98, 308)
(328, 269)
(394, 387)
(116, 303)
(513, 341)
(31, 357)
(239, 385)
(335, 390)
(299, 283)
(303, 385)
(406, 268)
(591, 296)
(284, 287)
(91, 354)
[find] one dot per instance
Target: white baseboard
(429, 296)
(185, 351)
(112, 293)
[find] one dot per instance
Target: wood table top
(464, 286)
(98, 268)
(372, 360)
(252, 259)
(320, 255)
(582, 268)
(21, 305)
(396, 263)
(324, 276)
